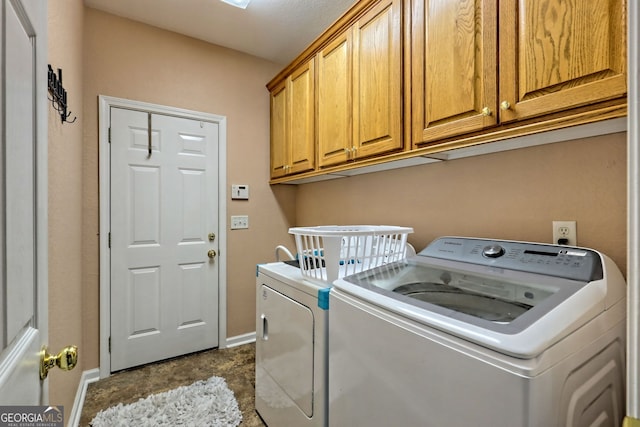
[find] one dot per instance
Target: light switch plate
(239, 222)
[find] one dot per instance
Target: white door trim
(633, 211)
(104, 116)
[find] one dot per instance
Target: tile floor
(236, 365)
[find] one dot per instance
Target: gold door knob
(486, 111)
(65, 360)
(504, 105)
(212, 237)
(211, 254)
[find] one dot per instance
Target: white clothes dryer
(291, 350)
(476, 332)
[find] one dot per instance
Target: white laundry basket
(329, 252)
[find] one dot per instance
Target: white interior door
(23, 265)
(164, 225)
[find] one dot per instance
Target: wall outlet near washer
(564, 233)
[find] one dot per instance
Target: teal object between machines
(323, 298)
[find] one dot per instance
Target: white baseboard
(240, 340)
(87, 378)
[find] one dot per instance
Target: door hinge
(109, 344)
(109, 135)
(109, 240)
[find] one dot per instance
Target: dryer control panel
(551, 260)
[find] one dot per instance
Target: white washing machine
(474, 332)
(291, 350)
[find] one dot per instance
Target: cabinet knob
(504, 105)
(350, 152)
(486, 111)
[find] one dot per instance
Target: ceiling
(276, 30)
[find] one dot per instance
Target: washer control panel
(550, 260)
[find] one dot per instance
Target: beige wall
(509, 195)
(130, 60)
(101, 54)
(65, 204)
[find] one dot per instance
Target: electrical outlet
(239, 222)
(564, 233)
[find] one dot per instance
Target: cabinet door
(377, 80)
(301, 113)
(558, 54)
(279, 132)
(453, 55)
(334, 101)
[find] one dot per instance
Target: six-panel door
(164, 204)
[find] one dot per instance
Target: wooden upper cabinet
(558, 54)
(453, 52)
(292, 123)
(360, 88)
(302, 113)
(279, 133)
(377, 80)
(552, 56)
(445, 74)
(334, 101)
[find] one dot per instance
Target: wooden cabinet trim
(607, 111)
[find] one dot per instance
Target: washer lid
(482, 306)
(504, 301)
(518, 301)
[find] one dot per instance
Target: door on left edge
(23, 201)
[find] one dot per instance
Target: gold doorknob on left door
(65, 360)
(486, 111)
(211, 254)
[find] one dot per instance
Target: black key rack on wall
(58, 95)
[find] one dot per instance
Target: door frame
(104, 119)
(633, 223)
